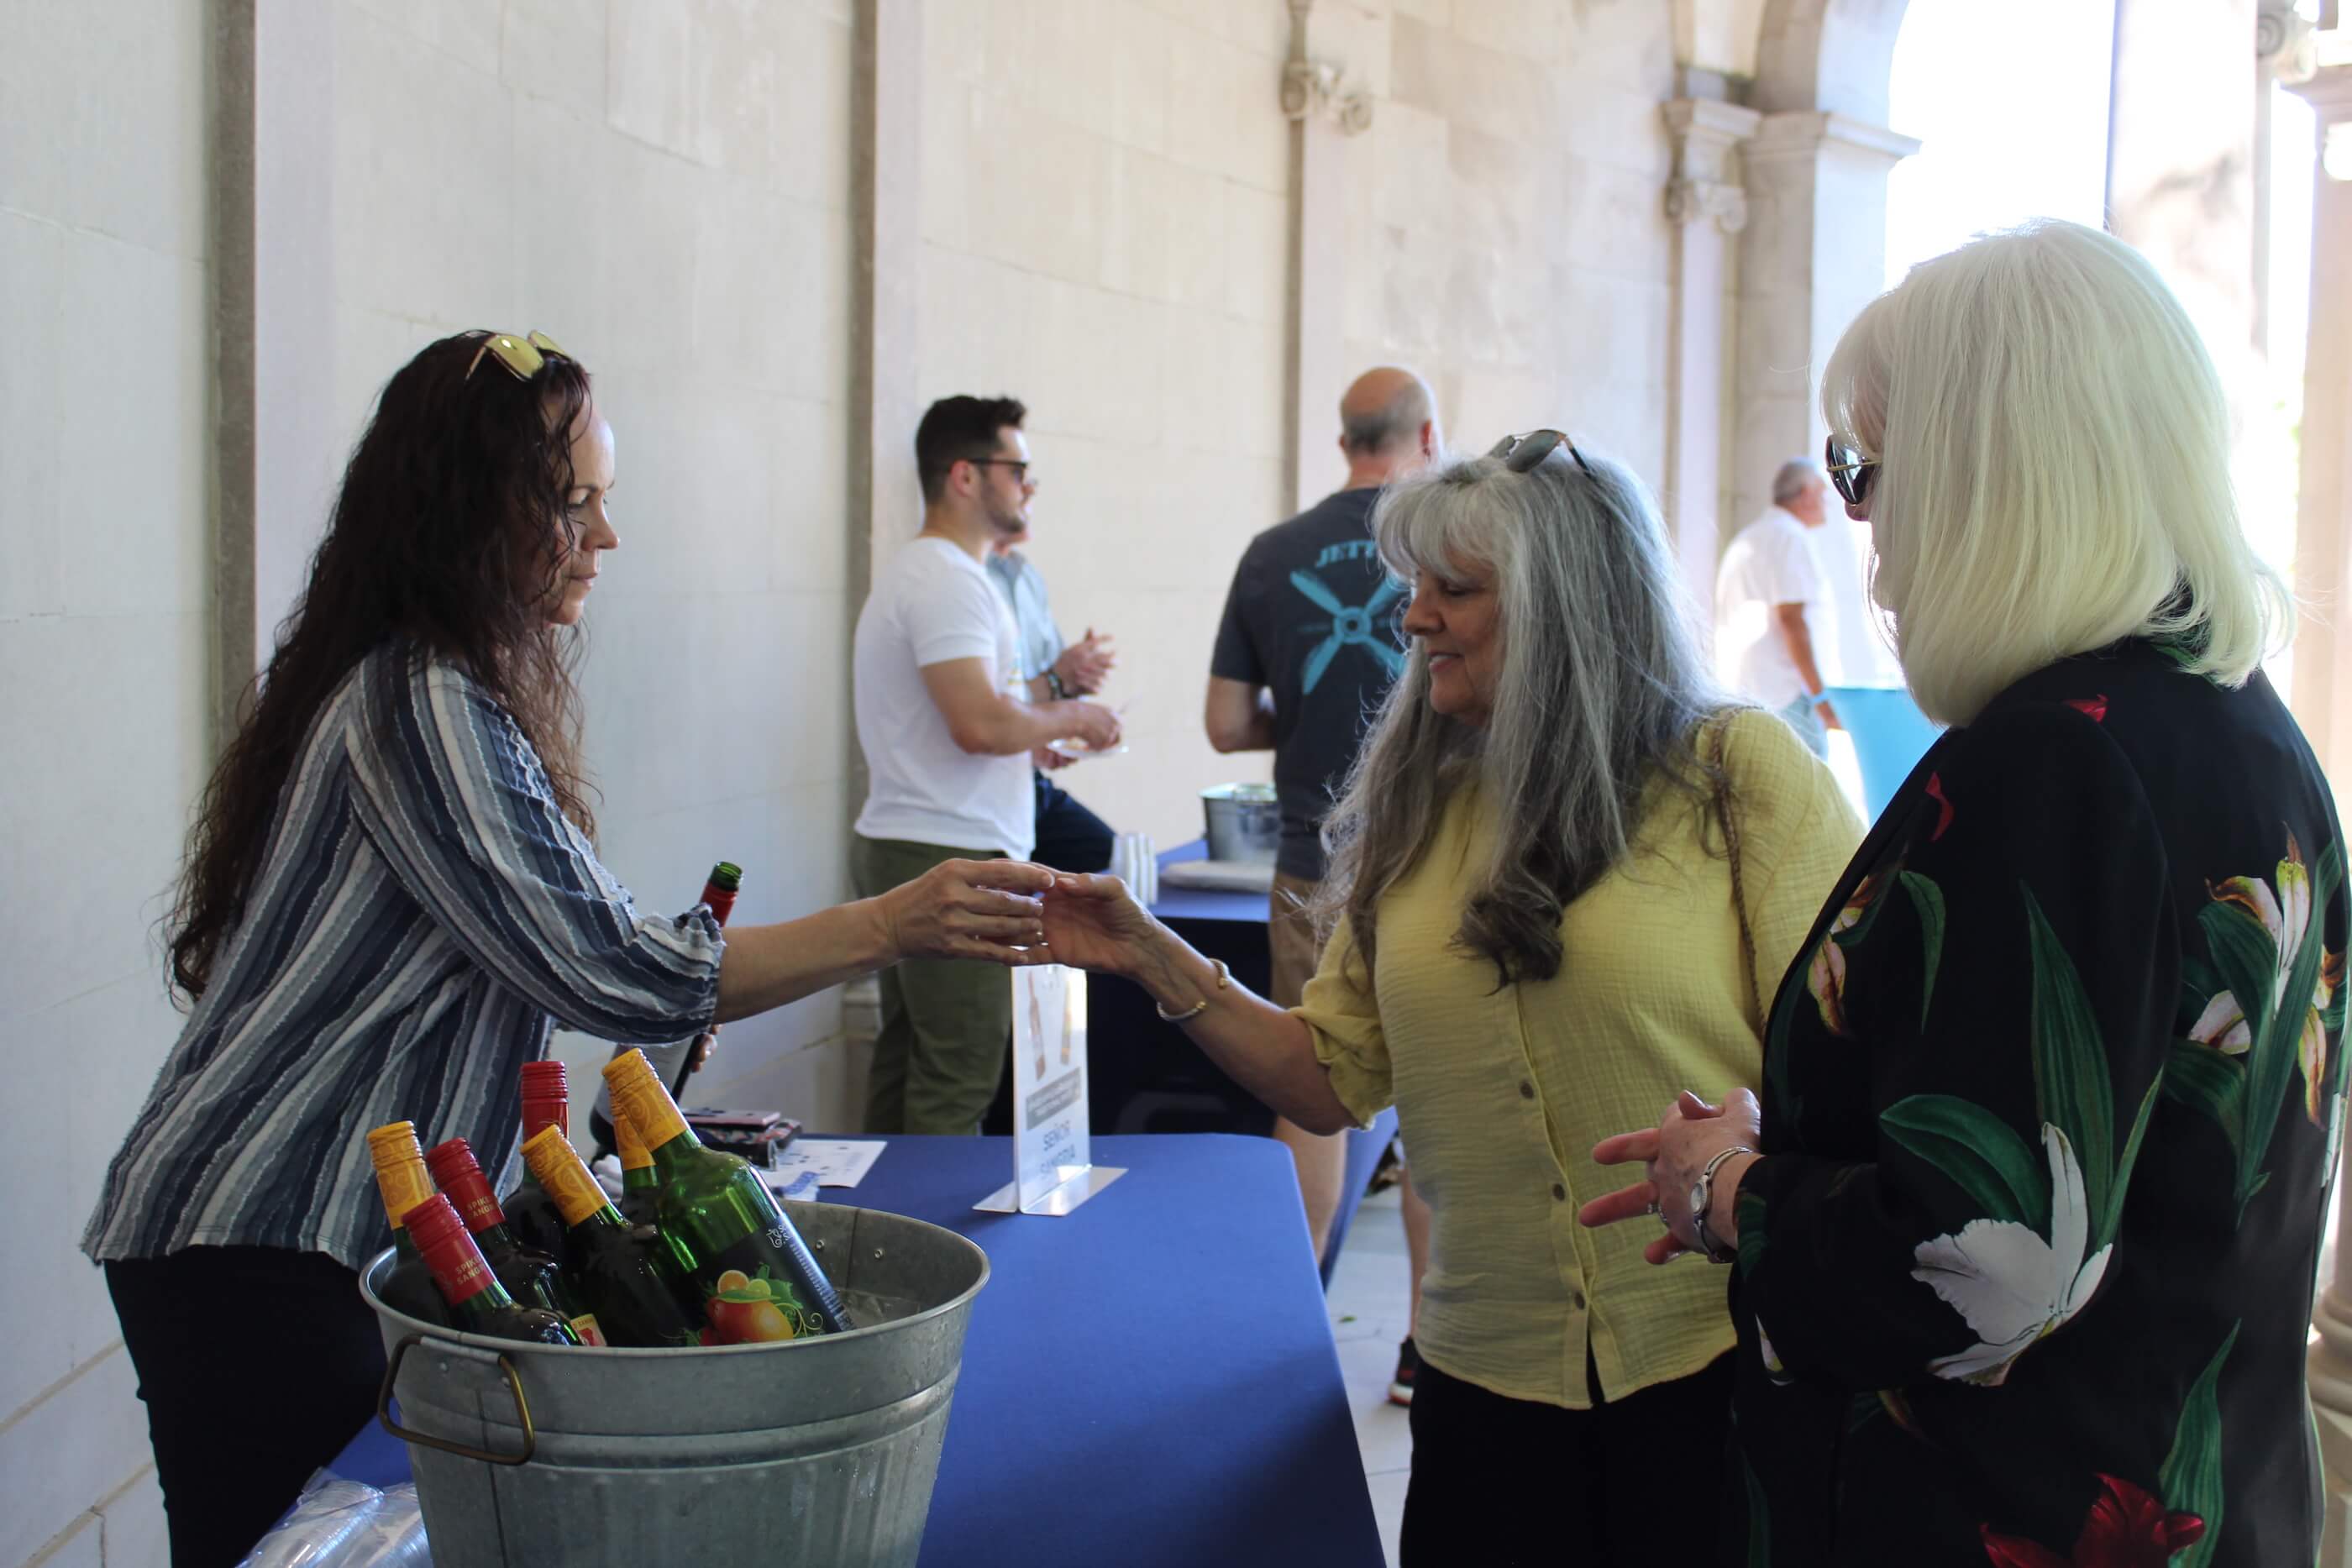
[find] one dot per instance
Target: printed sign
(1053, 1161)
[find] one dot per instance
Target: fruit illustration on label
(746, 1311)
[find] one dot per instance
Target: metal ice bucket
(817, 1451)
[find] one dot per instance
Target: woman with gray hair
(1560, 872)
(2026, 1226)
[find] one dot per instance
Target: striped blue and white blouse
(422, 916)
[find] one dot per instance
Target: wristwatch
(1702, 1191)
(1054, 685)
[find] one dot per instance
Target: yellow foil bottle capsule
(405, 1185)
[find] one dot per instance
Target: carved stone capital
(1319, 87)
(2285, 42)
(1688, 201)
(1703, 185)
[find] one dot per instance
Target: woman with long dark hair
(391, 898)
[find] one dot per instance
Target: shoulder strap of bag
(1724, 814)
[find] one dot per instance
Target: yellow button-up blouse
(1501, 1094)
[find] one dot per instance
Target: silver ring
(1653, 1211)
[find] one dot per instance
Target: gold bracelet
(1224, 978)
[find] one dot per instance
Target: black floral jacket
(2050, 1107)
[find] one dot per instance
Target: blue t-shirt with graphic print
(1313, 617)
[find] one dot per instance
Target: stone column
(885, 196)
(1323, 113)
(885, 495)
(1812, 254)
(1707, 207)
(2321, 692)
(273, 323)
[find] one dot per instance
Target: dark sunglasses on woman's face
(1849, 470)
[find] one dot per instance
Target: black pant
(258, 1365)
(1499, 1481)
(1069, 837)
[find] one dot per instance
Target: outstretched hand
(1094, 923)
(970, 909)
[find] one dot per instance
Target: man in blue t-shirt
(1309, 647)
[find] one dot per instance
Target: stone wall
(664, 191)
(104, 453)
(1103, 198)
(1506, 228)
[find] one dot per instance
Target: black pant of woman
(256, 1365)
(1515, 1482)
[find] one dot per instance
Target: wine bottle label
(462, 1275)
(475, 1205)
(748, 1298)
(584, 1325)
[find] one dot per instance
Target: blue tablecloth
(1150, 1380)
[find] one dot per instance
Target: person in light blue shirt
(1069, 837)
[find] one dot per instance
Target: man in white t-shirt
(1771, 608)
(947, 728)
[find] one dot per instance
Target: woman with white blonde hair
(1562, 872)
(2026, 1226)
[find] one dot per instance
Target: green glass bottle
(633, 1288)
(640, 1189)
(759, 1280)
(401, 1177)
(478, 1303)
(530, 1276)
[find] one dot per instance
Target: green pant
(947, 1023)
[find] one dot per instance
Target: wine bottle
(725, 881)
(401, 1177)
(632, 1287)
(758, 1281)
(640, 1190)
(478, 1303)
(530, 1276)
(719, 891)
(530, 1214)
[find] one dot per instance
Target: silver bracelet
(1224, 978)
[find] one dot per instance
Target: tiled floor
(1367, 1300)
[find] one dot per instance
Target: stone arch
(1836, 55)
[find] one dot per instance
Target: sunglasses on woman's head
(1849, 470)
(523, 357)
(1520, 454)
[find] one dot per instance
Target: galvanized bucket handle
(514, 1386)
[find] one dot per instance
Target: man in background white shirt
(1772, 607)
(947, 729)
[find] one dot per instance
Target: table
(1150, 1380)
